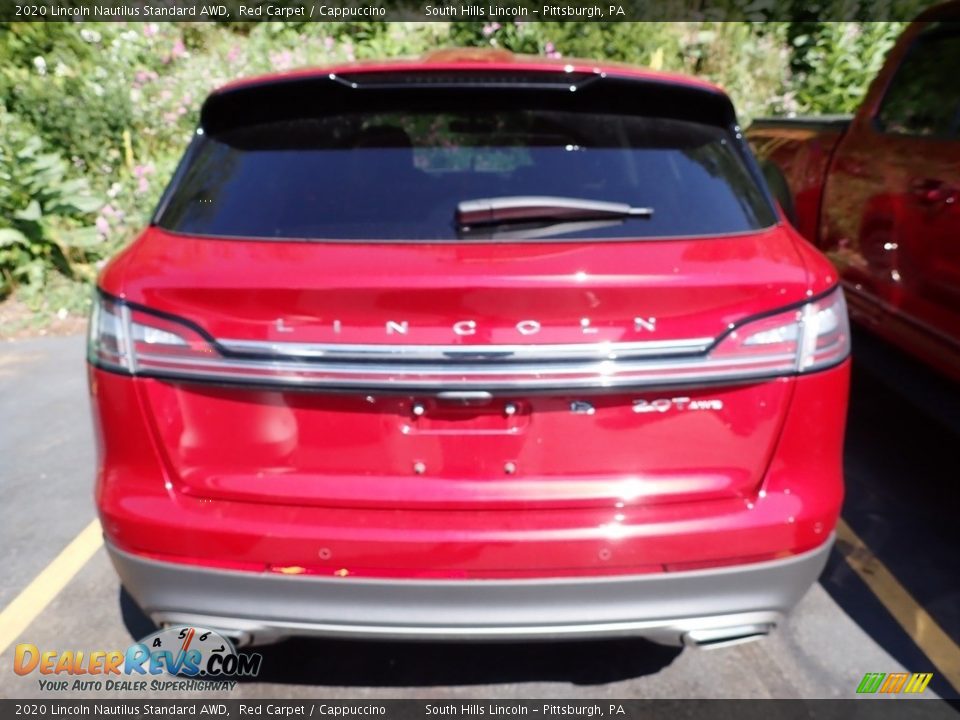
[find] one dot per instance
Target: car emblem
(581, 407)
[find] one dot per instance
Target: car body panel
(238, 289)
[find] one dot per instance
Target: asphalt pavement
(902, 502)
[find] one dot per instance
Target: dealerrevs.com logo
(173, 660)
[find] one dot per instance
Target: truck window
(924, 95)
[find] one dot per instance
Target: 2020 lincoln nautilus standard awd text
(471, 346)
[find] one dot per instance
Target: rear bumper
(699, 607)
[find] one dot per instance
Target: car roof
(475, 59)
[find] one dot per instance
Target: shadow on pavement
(389, 664)
(902, 471)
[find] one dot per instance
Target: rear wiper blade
(527, 208)
(553, 230)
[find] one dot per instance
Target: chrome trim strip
(464, 376)
(506, 368)
(466, 353)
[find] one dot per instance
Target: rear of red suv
(469, 348)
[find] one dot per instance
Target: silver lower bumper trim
(703, 607)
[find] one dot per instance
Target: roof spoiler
(296, 97)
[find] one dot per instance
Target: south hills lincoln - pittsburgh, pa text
(520, 11)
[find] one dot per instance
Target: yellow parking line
(25, 607)
(923, 629)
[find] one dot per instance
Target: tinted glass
(924, 96)
(400, 176)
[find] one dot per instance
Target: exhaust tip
(241, 637)
(726, 636)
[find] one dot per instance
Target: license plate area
(464, 414)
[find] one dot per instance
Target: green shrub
(628, 42)
(836, 62)
(45, 214)
(83, 117)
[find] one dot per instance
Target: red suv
(475, 346)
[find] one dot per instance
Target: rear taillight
(129, 339)
(810, 337)
(132, 340)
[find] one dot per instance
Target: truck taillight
(130, 340)
(812, 336)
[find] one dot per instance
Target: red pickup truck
(879, 193)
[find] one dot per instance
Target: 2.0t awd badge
(680, 404)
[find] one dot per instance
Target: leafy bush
(44, 213)
(836, 62)
(75, 113)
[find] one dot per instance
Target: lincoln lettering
(465, 328)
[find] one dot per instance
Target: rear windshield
(400, 176)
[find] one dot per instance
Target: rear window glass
(400, 176)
